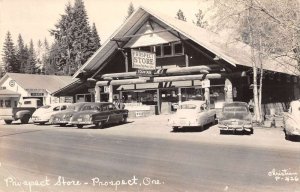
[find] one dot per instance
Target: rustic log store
(154, 61)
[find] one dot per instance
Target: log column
(110, 89)
(158, 101)
(207, 96)
(97, 94)
(228, 90)
(179, 96)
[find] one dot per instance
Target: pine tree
(9, 55)
(95, 38)
(31, 67)
(130, 10)
(180, 15)
(73, 38)
(22, 55)
(200, 22)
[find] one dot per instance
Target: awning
(8, 93)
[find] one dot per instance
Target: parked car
(24, 112)
(62, 118)
(291, 120)
(235, 116)
(192, 113)
(43, 114)
(99, 114)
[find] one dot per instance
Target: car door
(112, 110)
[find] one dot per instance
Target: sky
(34, 18)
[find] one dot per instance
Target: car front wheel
(79, 126)
(8, 122)
(99, 125)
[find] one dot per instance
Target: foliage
(200, 22)
(180, 15)
(9, 55)
(30, 66)
(130, 10)
(22, 54)
(74, 40)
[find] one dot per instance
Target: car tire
(25, 119)
(8, 122)
(221, 131)
(79, 126)
(99, 125)
(124, 119)
(62, 124)
(175, 128)
(42, 123)
(251, 131)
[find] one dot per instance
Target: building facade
(190, 63)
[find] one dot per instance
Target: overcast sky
(34, 18)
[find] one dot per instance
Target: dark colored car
(99, 114)
(235, 116)
(63, 118)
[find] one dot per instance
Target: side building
(36, 86)
(178, 61)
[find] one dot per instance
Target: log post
(228, 90)
(179, 96)
(158, 101)
(126, 62)
(110, 88)
(97, 94)
(207, 96)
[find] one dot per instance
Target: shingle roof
(236, 53)
(50, 83)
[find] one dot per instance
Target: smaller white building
(35, 86)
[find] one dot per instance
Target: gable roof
(50, 83)
(8, 93)
(236, 53)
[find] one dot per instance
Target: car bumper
(184, 123)
(235, 127)
(293, 132)
(81, 123)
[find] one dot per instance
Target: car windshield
(187, 106)
(235, 109)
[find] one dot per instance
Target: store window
(178, 49)
(1, 103)
(158, 50)
(167, 49)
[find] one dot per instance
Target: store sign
(142, 72)
(12, 83)
(143, 60)
(37, 94)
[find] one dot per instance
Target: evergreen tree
(200, 22)
(180, 15)
(73, 38)
(51, 59)
(130, 10)
(95, 38)
(9, 55)
(31, 67)
(22, 54)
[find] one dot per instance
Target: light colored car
(292, 120)
(43, 114)
(192, 114)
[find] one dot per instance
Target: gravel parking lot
(156, 127)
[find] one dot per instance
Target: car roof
(235, 103)
(195, 102)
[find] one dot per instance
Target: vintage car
(99, 114)
(292, 120)
(62, 118)
(235, 116)
(42, 115)
(192, 114)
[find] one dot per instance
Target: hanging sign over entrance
(143, 60)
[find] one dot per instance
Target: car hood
(42, 112)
